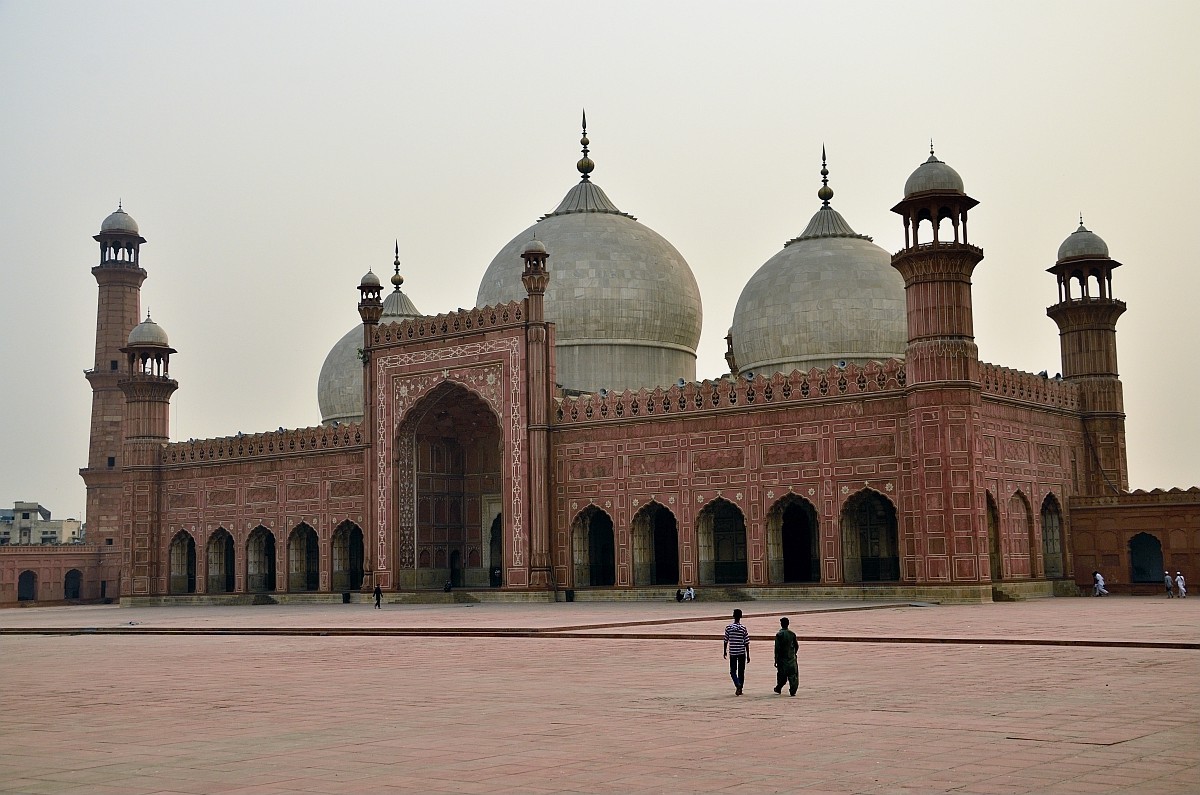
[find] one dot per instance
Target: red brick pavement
(98, 713)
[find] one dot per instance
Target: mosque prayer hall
(554, 442)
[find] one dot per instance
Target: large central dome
(624, 302)
(830, 297)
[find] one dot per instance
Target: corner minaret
(539, 359)
(1087, 324)
(147, 386)
(118, 307)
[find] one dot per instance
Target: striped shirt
(737, 637)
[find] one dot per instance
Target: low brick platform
(1046, 696)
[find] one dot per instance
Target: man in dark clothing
(378, 596)
(786, 646)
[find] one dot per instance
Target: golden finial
(826, 192)
(585, 164)
(397, 279)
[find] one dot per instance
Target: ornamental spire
(585, 164)
(397, 279)
(826, 192)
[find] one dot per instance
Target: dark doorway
(183, 564)
(870, 541)
(221, 571)
(348, 552)
(73, 584)
(666, 548)
(801, 561)
(1052, 554)
(1145, 558)
(456, 572)
(260, 561)
(304, 560)
(27, 587)
(995, 566)
(496, 552)
(721, 538)
(602, 553)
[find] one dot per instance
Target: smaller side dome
(535, 246)
(1083, 243)
(933, 175)
(148, 333)
(369, 279)
(119, 222)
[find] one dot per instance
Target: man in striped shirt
(737, 650)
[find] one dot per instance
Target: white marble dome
(120, 222)
(340, 384)
(933, 175)
(829, 297)
(1083, 243)
(148, 334)
(624, 302)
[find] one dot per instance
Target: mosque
(554, 442)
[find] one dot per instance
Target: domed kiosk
(624, 302)
(340, 385)
(830, 297)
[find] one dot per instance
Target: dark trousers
(737, 669)
(789, 674)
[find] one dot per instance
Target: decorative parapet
(1175, 496)
(1027, 387)
(464, 321)
(264, 445)
(727, 393)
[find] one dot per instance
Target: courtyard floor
(1074, 695)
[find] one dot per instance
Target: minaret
(119, 276)
(944, 507)
(147, 386)
(539, 347)
(370, 309)
(1087, 325)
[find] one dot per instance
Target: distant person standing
(786, 646)
(1180, 585)
(737, 649)
(1098, 584)
(378, 596)
(1167, 581)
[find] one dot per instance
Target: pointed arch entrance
(595, 548)
(496, 552)
(347, 552)
(221, 562)
(655, 546)
(1145, 558)
(260, 561)
(995, 565)
(1022, 543)
(721, 543)
(182, 555)
(870, 539)
(450, 448)
(304, 559)
(73, 584)
(27, 585)
(1052, 551)
(792, 548)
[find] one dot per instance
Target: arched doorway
(870, 540)
(496, 552)
(450, 449)
(792, 547)
(1145, 558)
(27, 584)
(655, 546)
(183, 564)
(595, 548)
(721, 544)
(1052, 552)
(221, 562)
(260, 561)
(1022, 544)
(304, 560)
(995, 566)
(347, 549)
(73, 584)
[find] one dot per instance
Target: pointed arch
(304, 559)
(182, 556)
(347, 552)
(995, 561)
(496, 551)
(1052, 541)
(221, 562)
(655, 545)
(1145, 558)
(870, 538)
(73, 584)
(721, 543)
(260, 561)
(594, 548)
(1021, 539)
(793, 549)
(27, 586)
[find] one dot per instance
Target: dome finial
(1081, 219)
(119, 205)
(585, 164)
(826, 192)
(931, 146)
(397, 279)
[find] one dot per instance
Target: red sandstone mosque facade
(470, 456)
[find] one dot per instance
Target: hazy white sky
(272, 151)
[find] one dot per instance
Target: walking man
(737, 649)
(1180, 585)
(1098, 584)
(378, 596)
(1167, 581)
(786, 646)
